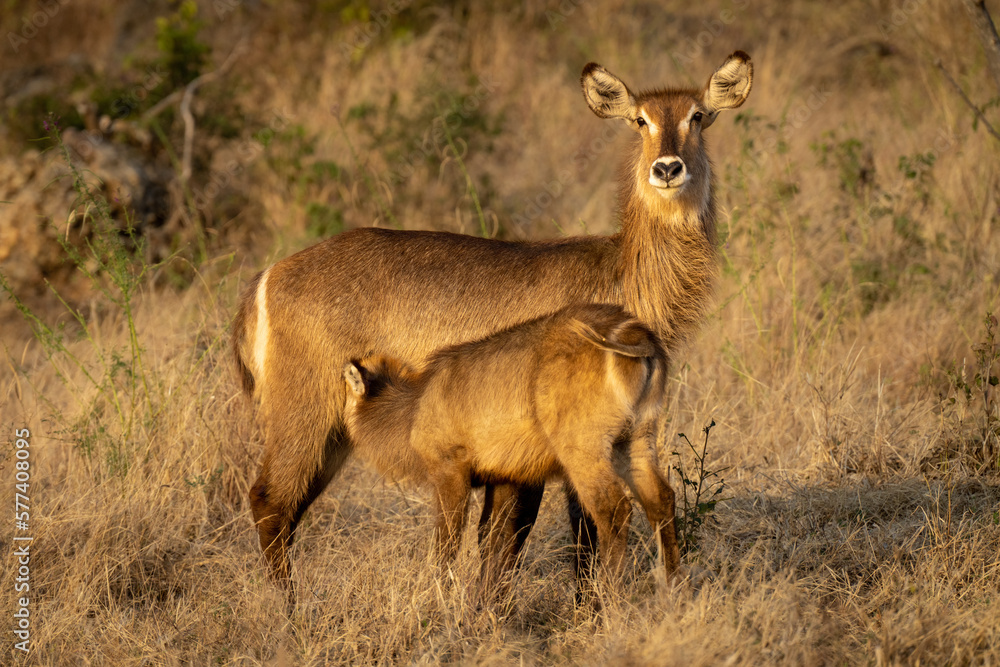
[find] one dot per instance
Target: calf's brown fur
(407, 293)
(576, 394)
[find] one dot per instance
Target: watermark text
(22, 539)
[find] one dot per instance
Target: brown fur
(405, 294)
(575, 394)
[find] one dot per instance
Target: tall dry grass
(860, 259)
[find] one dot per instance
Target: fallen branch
(185, 95)
(156, 109)
(186, 107)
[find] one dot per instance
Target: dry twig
(987, 32)
(958, 89)
(185, 108)
(185, 95)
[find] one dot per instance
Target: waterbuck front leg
(509, 512)
(287, 485)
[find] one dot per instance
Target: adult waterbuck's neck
(667, 240)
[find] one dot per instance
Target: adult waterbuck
(407, 293)
(576, 394)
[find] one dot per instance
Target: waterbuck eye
(640, 121)
(696, 116)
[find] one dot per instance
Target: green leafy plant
(24, 118)
(182, 54)
(850, 158)
(918, 170)
(323, 220)
(119, 397)
(702, 489)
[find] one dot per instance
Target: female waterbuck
(405, 294)
(576, 394)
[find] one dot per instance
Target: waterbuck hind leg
(274, 528)
(509, 512)
(653, 491)
(282, 493)
(637, 464)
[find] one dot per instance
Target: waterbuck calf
(406, 293)
(576, 394)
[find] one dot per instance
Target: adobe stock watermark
(796, 118)
(900, 16)
(37, 20)
(22, 539)
(224, 7)
(246, 152)
(558, 16)
(123, 107)
(692, 48)
(128, 103)
(445, 123)
(944, 141)
(580, 161)
(363, 34)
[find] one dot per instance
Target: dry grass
(862, 520)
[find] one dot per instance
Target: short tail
(644, 345)
(245, 318)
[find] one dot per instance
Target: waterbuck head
(670, 166)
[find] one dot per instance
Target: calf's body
(575, 394)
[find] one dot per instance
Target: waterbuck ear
(355, 380)
(606, 94)
(729, 86)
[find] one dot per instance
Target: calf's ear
(355, 379)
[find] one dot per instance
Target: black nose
(667, 171)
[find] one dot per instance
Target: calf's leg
(509, 512)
